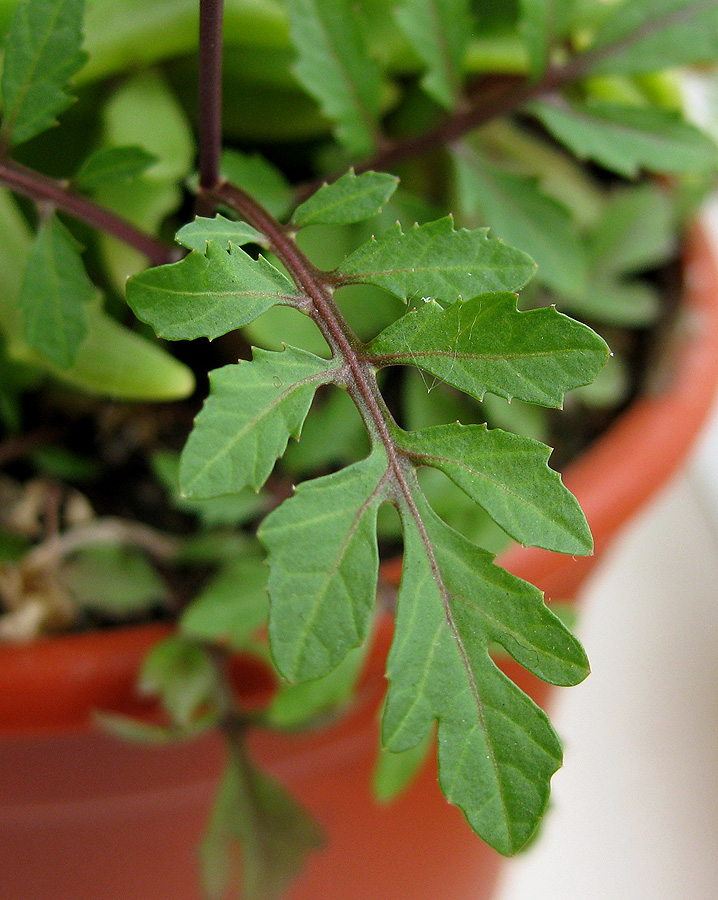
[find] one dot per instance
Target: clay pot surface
(86, 816)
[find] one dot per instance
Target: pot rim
(54, 684)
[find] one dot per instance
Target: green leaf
(298, 706)
(112, 361)
(394, 772)
(139, 732)
(54, 295)
(629, 304)
(230, 509)
(252, 409)
(265, 182)
(184, 677)
(626, 139)
(652, 35)
(334, 67)
(535, 25)
(338, 416)
(610, 388)
(231, 607)
(273, 832)
(208, 295)
(218, 231)
(324, 560)
(497, 750)
(439, 31)
(42, 53)
(486, 344)
(510, 478)
(519, 213)
(115, 362)
(636, 231)
(436, 261)
(351, 198)
(115, 581)
(144, 112)
(112, 165)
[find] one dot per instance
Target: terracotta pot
(85, 816)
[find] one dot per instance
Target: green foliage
(264, 181)
(540, 21)
(394, 772)
(308, 703)
(43, 50)
(496, 748)
(435, 260)
(218, 231)
(334, 67)
(231, 607)
(55, 293)
(351, 198)
(650, 35)
(254, 812)
(509, 476)
(252, 411)
(110, 165)
(383, 387)
(324, 562)
(626, 139)
(182, 675)
(521, 214)
(439, 32)
(486, 344)
(208, 293)
(117, 582)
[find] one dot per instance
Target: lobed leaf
(636, 231)
(252, 410)
(298, 706)
(521, 214)
(139, 732)
(182, 674)
(652, 35)
(275, 834)
(439, 32)
(486, 344)
(230, 509)
(324, 561)
(497, 750)
(510, 478)
(219, 231)
(628, 303)
(231, 607)
(537, 27)
(43, 50)
(351, 198)
(114, 361)
(263, 180)
(113, 165)
(208, 294)
(143, 111)
(334, 67)
(394, 772)
(54, 295)
(626, 139)
(117, 582)
(435, 260)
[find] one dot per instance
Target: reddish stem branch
(40, 188)
(210, 98)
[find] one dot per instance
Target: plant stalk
(41, 188)
(210, 99)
